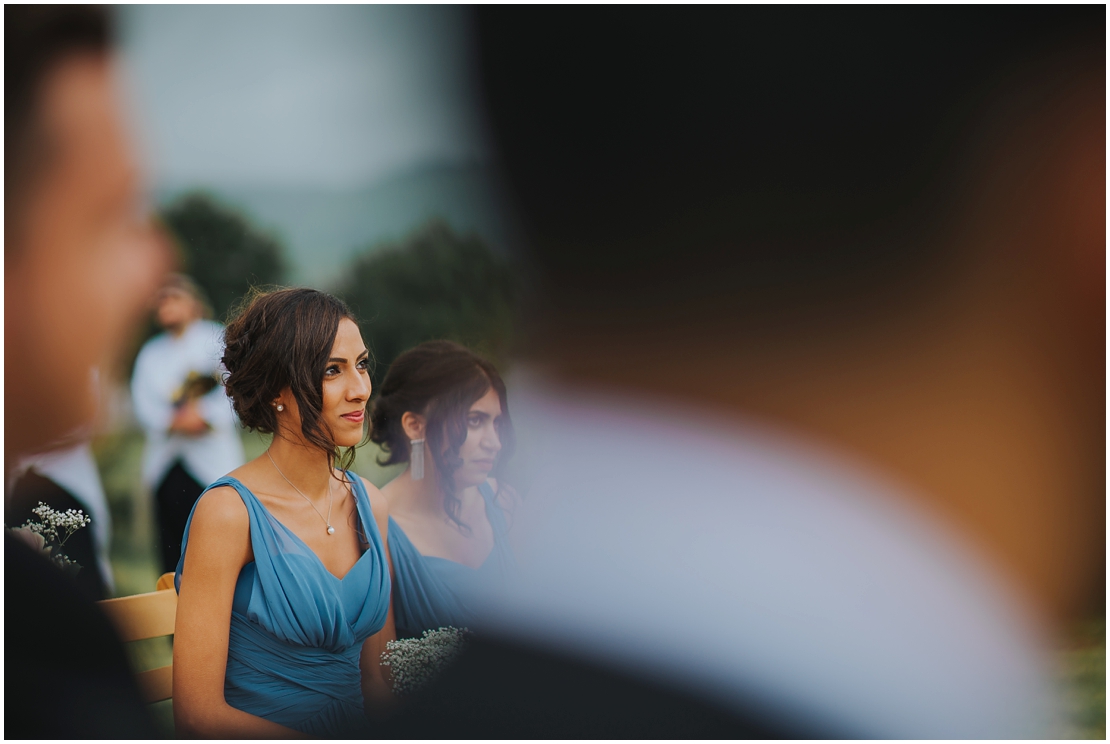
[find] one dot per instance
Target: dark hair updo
(439, 380)
(283, 338)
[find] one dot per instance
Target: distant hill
(323, 229)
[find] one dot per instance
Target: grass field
(1083, 662)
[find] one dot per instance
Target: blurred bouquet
(49, 535)
(414, 662)
(195, 386)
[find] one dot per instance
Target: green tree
(434, 284)
(223, 252)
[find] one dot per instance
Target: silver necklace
(331, 530)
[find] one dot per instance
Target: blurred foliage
(434, 284)
(222, 250)
(1084, 682)
(119, 459)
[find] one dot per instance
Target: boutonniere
(48, 535)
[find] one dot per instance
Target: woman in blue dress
(443, 410)
(284, 580)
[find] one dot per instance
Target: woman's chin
(470, 479)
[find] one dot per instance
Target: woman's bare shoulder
(219, 542)
(221, 509)
(377, 498)
(391, 493)
(251, 470)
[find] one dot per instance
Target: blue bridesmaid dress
(296, 629)
(431, 592)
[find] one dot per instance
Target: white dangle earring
(416, 461)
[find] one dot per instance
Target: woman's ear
(281, 402)
(413, 425)
(285, 406)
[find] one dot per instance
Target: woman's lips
(355, 416)
(483, 464)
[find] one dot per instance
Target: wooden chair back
(143, 616)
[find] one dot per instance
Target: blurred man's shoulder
(717, 551)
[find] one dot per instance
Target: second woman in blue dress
(443, 409)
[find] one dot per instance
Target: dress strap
(256, 513)
(365, 512)
(362, 499)
(255, 508)
(357, 486)
(494, 513)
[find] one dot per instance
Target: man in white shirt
(192, 435)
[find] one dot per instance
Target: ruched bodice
(297, 629)
(431, 592)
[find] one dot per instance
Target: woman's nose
(360, 390)
(491, 440)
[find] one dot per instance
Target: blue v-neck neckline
(489, 506)
(295, 536)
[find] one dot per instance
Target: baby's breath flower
(54, 529)
(414, 662)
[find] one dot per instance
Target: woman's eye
(331, 371)
(474, 422)
(364, 364)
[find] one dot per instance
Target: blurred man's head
(754, 163)
(179, 303)
(80, 258)
(883, 226)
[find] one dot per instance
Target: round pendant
(331, 530)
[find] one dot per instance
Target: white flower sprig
(414, 662)
(52, 532)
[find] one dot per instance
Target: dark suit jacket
(66, 675)
(504, 690)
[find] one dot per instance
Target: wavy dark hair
(439, 380)
(280, 338)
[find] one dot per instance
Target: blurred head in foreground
(80, 266)
(80, 260)
(818, 325)
(882, 227)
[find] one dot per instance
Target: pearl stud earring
(280, 407)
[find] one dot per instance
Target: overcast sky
(328, 96)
